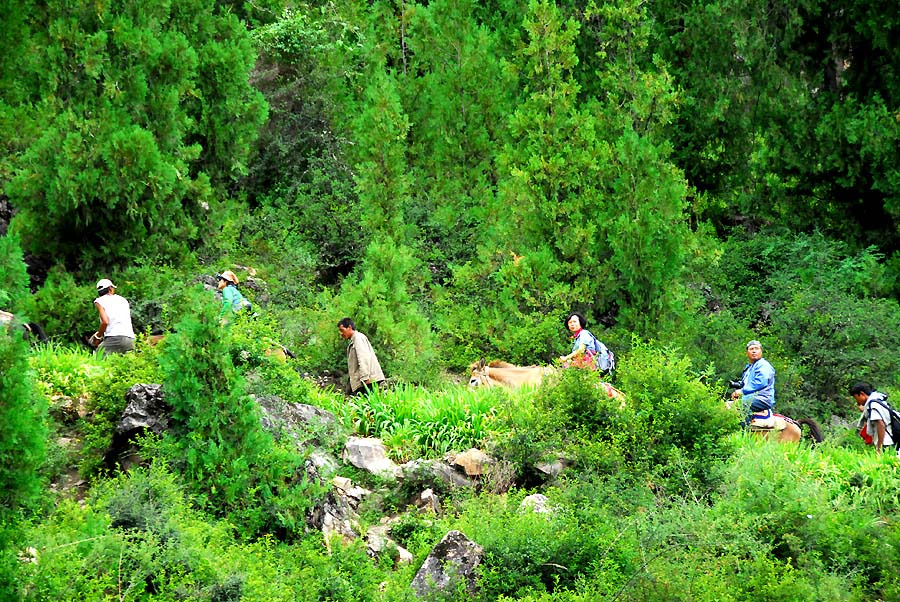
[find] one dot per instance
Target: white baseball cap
(105, 283)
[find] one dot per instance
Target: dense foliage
(456, 176)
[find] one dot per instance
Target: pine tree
(130, 114)
(22, 448)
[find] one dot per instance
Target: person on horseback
(757, 391)
(587, 351)
(876, 416)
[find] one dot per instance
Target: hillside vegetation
(458, 177)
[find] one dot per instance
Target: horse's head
(479, 374)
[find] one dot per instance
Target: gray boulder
(434, 474)
(370, 454)
(145, 410)
(451, 562)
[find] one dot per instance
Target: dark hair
(103, 291)
(861, 388)
(347, 323)
(581, 319)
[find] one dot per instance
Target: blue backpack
(605, 358)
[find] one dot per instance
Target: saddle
(767, 421)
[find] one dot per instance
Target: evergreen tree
(382, 175)
(458, 95)
(643, 216)
(300, 183)
(788, 113)
(235, 466)
(130, 115)
(22, 449)
(15, 295)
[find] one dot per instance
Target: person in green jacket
(232, 299)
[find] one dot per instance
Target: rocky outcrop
(379, 543)
(433, 474)
(472, 461)
(370, 454)
(300, 422)
(537, 503)
(146, 410)
(452, 562)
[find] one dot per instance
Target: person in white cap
(758, 387)
(115, 335)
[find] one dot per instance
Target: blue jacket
(759, 383)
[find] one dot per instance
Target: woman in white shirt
(115, 334)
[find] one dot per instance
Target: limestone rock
(451, 562)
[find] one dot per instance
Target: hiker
(362, 364)
(115, 335)
(232, 299)
(875, 420)
(587, 351)
(757, 391)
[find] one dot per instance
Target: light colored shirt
(361, 362)
(586, 342)
(119, 314)
(874, 413)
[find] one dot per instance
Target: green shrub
(22, 447)
(136, 537)
(228, 459)
(66, 309)
(824, 507)
(15, 295)
(838, 339)
(528, 552)
(673, 408)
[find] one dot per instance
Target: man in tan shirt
(365, 371)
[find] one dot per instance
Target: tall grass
(416, 422)
(64, 369)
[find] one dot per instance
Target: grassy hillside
(663, 497)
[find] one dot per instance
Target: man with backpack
(878, 420)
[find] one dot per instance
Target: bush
(15, 295)
(820, 509)
(673, 408)
(65, 309)
(138, 537)
(22, 447)
(236, 467)
(840, 339)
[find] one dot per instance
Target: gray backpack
(606, 360)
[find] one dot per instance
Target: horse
(502, 374)
(788, 430)
(499, 373)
